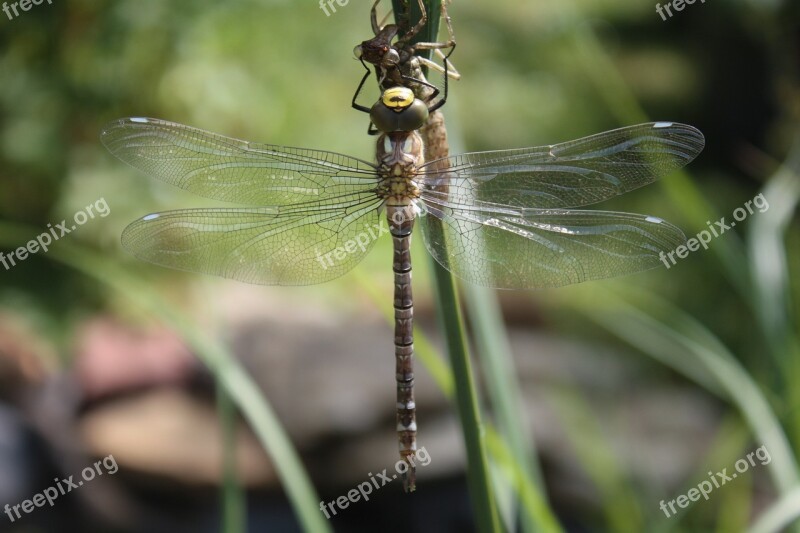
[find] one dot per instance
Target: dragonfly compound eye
(398, 110)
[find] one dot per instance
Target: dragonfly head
(398, 110)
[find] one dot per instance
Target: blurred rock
(113, 358)
(167, 433)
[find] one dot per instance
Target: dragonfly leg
(441, 102)
(453, 73)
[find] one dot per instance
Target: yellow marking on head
(398, 98)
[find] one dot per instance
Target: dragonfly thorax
(399, 156)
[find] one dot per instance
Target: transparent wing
(571, 174)
(268, 246)
(539, 248)
(231, 170)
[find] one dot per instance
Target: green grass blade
(497, 365)
(780, 516)
(484, 506)
(767, 256)
(234, 506)
(535, 508)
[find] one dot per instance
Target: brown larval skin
(434, 136)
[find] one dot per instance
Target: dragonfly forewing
(232, 170)
(571, 174)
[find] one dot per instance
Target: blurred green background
(630, 390)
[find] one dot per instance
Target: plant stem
(234, 512)
(485, 509)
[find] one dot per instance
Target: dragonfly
(506, 219)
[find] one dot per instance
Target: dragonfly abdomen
(401, 224)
